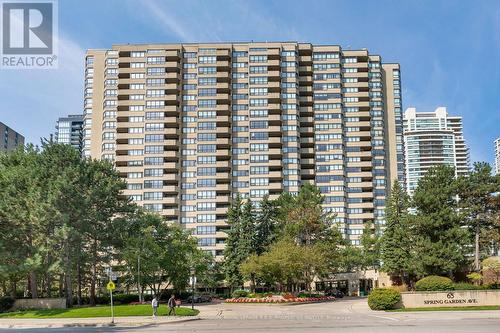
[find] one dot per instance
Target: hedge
(383, 299)
(434, 283)
(6, 303)
(467, 286)
(239, 293)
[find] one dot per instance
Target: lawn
(98, 311)
(457, 308)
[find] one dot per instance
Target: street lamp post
(139, 277)
(192, 287)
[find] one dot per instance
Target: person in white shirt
(154, 304)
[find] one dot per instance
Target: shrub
(466, 286)
(495, 285)
(383, 299)
(401, 288)
(304, 295)
(434, 283)
(491, 270)
(240, 293)
(125, 298)
(475, 277)
(6, 303)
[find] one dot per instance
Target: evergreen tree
(440, 239)
(370, 246)
(20, 212)
(476, 192)
(265, 225)
(59, 211)
(232, 255)
(304, 218)
(247, 231)
(397, 240)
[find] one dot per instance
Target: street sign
(110, 286)
(114, 276)
(192, 280)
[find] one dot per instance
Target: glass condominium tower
(497, 157)
(191, 126)
(69, 131)
(430, 139)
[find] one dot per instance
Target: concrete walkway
(92, 322)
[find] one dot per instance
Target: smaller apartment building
(430, 139)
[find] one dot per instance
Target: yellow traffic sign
(110, 285)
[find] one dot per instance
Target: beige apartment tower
(190, 126)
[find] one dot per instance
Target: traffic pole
(112, 312)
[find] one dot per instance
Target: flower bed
(279, 299)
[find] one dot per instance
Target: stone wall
(450, 298)
(39, 303)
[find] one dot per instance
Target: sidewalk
(92, 322)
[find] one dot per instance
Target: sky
(449, 51)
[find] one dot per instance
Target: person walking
(171, 305)
(154, 305)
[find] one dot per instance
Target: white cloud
(168, 20)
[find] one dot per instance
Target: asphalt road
(339, 316)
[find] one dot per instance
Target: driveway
(344, 315)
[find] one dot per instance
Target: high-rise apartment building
(190, 126)
(430, 139)
(69, 131)
(9, 139)
(497, 156)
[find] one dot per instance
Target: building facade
(9, 139)
(497, 156)
(69, 131)
(190, 126)
(430, 139)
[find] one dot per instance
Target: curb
(87, 324)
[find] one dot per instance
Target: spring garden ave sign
(29, 34)
(450, 298)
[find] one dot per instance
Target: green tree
(103, 202)
(251, 270)
(168, 254)
(265, 225)
(60, 211)
(440, 239)
(397, 241)
(370, 246)
(476, 193)
(232, 251)
(20, 211)
(212, 277)
(286, 265)
(303, 218)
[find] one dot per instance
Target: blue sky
(449, 50)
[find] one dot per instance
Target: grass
(97, 311)
(456, 308)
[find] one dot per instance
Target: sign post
(111, 286)
(192, 282)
